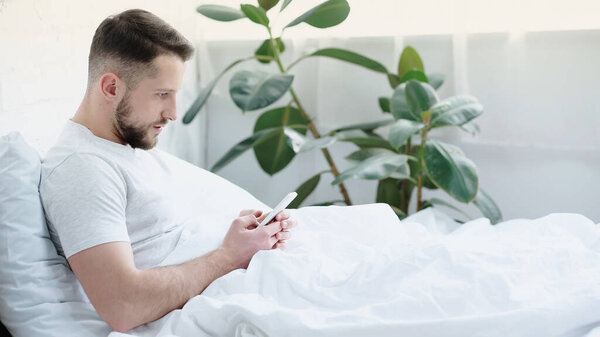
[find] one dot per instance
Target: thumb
(262, 216)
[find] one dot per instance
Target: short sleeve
(85, 199)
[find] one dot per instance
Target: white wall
(538, 151)
(44, 47)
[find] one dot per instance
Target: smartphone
(280, 207)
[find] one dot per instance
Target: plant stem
(422, 161)
(310, 123)
(296, 62)
(419, 188)
(406, 189)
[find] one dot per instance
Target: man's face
(143, 112)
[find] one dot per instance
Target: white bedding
(358, 271)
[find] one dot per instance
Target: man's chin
(147, 145)
(152, 143)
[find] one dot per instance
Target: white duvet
(358, 271)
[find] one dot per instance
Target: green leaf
(414, 75)
(266, 50)
(440, 202)
(327, 14)
(365, 126)
(420, 97)
(399, 105)
(415, 169)
(377, 167)
(409, 60)
(220, 13)
(254, 90)
(371, 133)
(240, 148)
(365, 142)
(426, 114)
(488, 207)
(267, 4)
(384, 104)
(449, 169)
(394, 80)
(285, 4)
(401, 215)
(299, 143)
(305, 189)
(204, 94)
(456, 110)
(274, 153)
(351, 57)
(470, 127)
(388, 191)
(402, 130)
(255, 14)
(425, 204)
(325, 203)
(362, 154)
(436, 80)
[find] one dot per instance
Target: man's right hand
(245, 238)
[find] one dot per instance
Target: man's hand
(283, 217)
(245, 238)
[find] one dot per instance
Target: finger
(263, 216)
(283, 215)
(289, 223)
(256, 212)
(280, 245)
(272, 228)
(273, 241)
(283, 236)
(247, 221)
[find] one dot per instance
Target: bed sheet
(359, 271)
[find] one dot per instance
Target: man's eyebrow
(169, 90)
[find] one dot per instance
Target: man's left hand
(283, 217)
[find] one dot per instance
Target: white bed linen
(358, 271)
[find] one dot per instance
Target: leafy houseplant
(401, 166)
(280, 133)
(253, 90)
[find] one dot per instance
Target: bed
(351, 271)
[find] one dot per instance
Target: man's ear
(111, 86)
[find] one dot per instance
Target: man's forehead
(168, 73)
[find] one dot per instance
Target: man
(106, 190)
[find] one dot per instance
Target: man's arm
(126, 297)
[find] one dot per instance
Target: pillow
(40, 296)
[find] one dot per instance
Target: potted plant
(402, 166)
(282, 132)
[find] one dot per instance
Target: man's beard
(135, 136)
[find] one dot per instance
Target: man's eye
(163, 94)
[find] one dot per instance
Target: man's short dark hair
(128, 42)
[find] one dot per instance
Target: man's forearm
(152, 293)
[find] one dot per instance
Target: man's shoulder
(75, 151)
(83, 167)
(72, 154)
(77, 160)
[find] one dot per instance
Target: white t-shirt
(96, 191)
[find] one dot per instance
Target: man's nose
(171, 111)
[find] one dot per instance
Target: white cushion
(39, 293)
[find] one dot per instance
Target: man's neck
(96, 117)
